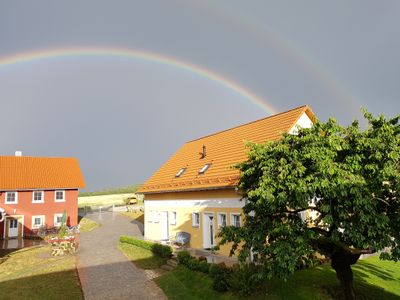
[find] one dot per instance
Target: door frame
(205, 223)
(165, 213)
(20, 225)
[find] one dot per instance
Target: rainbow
(141, 55)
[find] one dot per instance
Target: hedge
(158, 249)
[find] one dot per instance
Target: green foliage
(245, 279)
(161, 250)
(221, 276)
(158, 249)
(62, 232)
(183, 257)
(348, 179)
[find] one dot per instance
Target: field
(103, 200)
(121, 190)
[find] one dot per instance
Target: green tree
(329, 189)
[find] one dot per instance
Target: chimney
(18, 153)
(203, 153)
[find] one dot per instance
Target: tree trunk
(341, 263)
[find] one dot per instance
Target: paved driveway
(105, 273)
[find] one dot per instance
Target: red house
(35, 191)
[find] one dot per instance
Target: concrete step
(167, 267)
(172, 262)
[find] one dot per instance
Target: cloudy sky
(195, 67)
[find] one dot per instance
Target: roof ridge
(248, 123)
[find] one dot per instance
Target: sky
(121, 85)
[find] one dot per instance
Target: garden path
(104, 272)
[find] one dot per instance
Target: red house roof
(182, 172)
(24, 172)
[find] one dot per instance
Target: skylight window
(204, 169)
(180, 172)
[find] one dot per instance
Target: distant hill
(111, 191)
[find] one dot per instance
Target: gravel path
(106, 273)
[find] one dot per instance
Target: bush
(158, 249)
(245, 279)
(183, 257)
(161, 250)
(220, 275)
(204, 266)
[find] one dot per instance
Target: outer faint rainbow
(147, 56)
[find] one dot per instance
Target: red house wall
(28, 209)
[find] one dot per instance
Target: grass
(142, 258)
(32, 273)
(135, 215)
(374, 279)
(113, 191)
(87, 225)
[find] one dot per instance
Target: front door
(208, 230)
(164, 226)
(13, 226)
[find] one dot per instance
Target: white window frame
(43, 221)
(204, 168)
(219, 219)
(194, 224)
(156, 216)
(172, 218)
(150, 217)
(55, 196)
(232, 219)
(16, 198)
(38, 201)
(55, 223)
(180, 172)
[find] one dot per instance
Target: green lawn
(374, 279)
(135, 215)
(143, 258)
(32, 273)
(86, 225)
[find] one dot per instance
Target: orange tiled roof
(24, 172)
(223, 150)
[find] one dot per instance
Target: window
(37, 197)
(235, 220)
(180, 172)
(58, 219)
(150, 217)
(221, 220)
(59, 196)
(11, 197)
(204, 169)
(156, 217)
(196, 219)
(172, 218)
(37, 221)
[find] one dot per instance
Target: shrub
(161, 250)
(244, 279)
(183, 257)
(220, 275)
(158, 249)
(204, 266)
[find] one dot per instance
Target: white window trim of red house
(55, 196)
(57, 224)
(16, 198)
(43, 217)
(33, 197)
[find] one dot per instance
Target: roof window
(180, 172)
(204, 169)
